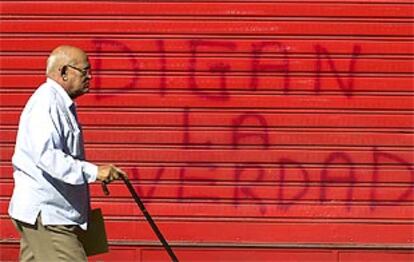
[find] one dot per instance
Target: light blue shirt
(50, 173)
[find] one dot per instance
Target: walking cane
(146, 214)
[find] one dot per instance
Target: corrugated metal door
(253, 130)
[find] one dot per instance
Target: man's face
(78, 76)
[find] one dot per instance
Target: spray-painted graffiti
(284, 166)
(239, 133)
(221, 68)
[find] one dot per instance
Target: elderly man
(50, 200)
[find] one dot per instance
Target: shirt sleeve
(48, 143)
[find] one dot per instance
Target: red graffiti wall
(253, 131)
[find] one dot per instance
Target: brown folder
(94, 238)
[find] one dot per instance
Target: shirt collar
(66, 98)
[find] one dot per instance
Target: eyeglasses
(84, 72)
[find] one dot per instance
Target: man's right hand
(108, 173)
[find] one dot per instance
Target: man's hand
(108, 173)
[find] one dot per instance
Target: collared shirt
(50, 173)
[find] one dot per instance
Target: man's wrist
(91, 171)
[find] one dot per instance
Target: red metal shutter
(253, 130)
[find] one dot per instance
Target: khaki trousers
(49, 243)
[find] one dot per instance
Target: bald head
(63, 55)
(69, 66)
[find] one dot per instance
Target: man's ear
(63, 73)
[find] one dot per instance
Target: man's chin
(84, 91)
